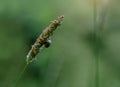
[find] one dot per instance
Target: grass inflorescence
(43, 39)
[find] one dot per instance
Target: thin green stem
(20, 75)
(98, 27)
(96, 44)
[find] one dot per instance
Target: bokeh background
(70, 61)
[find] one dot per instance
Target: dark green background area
(70, 60)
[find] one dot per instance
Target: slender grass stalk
(96, 44)
(43, 38)
(98, 27)
(20, 75)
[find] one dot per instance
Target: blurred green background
(70, 60)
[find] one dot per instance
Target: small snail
(47, 43)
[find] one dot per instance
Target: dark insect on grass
(47, 43)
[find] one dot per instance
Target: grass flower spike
(43, 38)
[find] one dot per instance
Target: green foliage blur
(70, 60)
